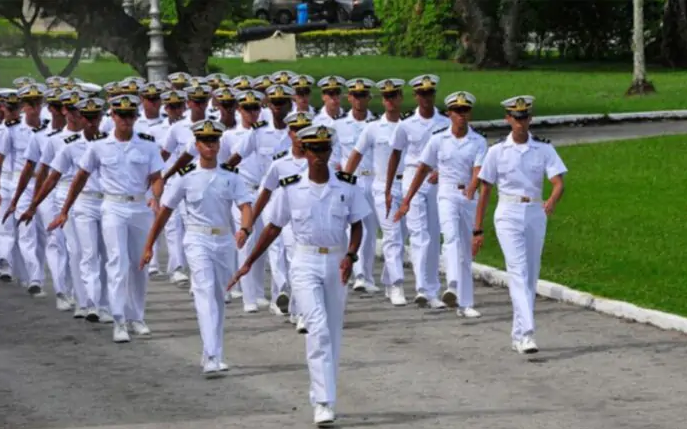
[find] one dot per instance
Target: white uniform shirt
(519, 169)
(208, 195)
(263, 143)
(124, 167)
(66, 162)
(15, 141)
(54, 144)
(323, 118)
(249, 168)
(454, 157)
(143, 124)
(348, 129)
(319, 215)
(106, 124)
(281, 168)
(373, 145)
(225, 147)
(311, 110)
(412, 134)
(178, 137)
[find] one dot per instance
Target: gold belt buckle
(323, 250)
(525, 199)
(215, 231)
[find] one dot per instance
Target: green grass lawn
(620, 231)
(559, 88)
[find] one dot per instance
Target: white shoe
(293, 319)
(92, 315)
(236, 293)
(63, 303)
(436, 303)
(371, 288)
(139, 327)
(468, 312)
(324, 416)
(250, 308)
(421, 300)
(120, 333)
(397, 295)
(227, 297)
(282, 302)
(211, 369)
(300, 326)
(450, 298)
(105, 316)
(179, 278)
(80, 313)
(153, 271)
(359, 285)
(223, 367)
(526, 346)
(263, 303)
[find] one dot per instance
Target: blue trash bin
(302, 12)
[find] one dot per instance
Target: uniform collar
(349, 115)
(332, 183)
(510, 143)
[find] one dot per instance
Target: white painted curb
(589, 118)
(495, 277)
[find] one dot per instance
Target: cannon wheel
(284, 17)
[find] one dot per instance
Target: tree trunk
(639, 85)
(674, 33)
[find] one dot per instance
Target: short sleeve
(5, 142)
(248, 145)
(399, 138)
(62, 161)
(430, 152)
(364, 140)
(157, 164)
(240, 192)
(271, 179)
(554, 164)
(33, 150)
(48, 151)
(89, 161)
(359, 207)
(335, 157)
(280, 212)
(481, 153)
(173, 194)
(488, 173)
(170, 143)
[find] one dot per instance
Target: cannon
(259, 33)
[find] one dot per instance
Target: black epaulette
(259, 124)
(440, 131)
(407, 114)
(540, 139)
(41, 128)
(46, 121)
(212, 117)
(98, 136)
(286, 181)
(280, 155)
(188, 168)
(145, 136)
(226, 166)
(346, 177)
(375, 117)
(12, 123)
(54, 132)
(213, 109)
(480, 132)
(72, 138)
(164, 115)
(315, 111)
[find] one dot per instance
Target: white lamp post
(157, 57)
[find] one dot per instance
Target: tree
(639, 85)
(12, 10)
(105, 24)
(674, 33)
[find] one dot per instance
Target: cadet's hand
(59, 222)
(145, 259)
(237, 276)
(345, 268)
(27, 216)
(402, 211)
(10, 211)
(549, 207)
(154, 205)
(387, 202)
(469, 193)
(241, 238)
(477, 242)
(433, 177)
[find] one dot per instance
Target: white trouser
(277, 259)
(154, 264)
(73, 250)
(125, 229)
(31, 239)
(316, 284)
(253, 283)
(174, 236)
(393, 233)
(8, 230)
(289, 249)
(422, 221)
(521, 229)
(365, 267)
(87, 219)
(457, 219)
(209, 262)
(55, 248)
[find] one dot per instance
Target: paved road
(402, 368)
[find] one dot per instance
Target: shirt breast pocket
(302, 221)
(414, 146)
(110, 162)
(339, 215)
(138, 161)
(535, 165)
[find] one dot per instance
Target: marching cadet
(517, 166)
(302, 84)
(261, 83)
(55, 248)
(127, 164)
(30, 238)
(241, 83)
(209, 191)
(287, 163)
(372, 148)
(331, 87)
(347, 129)
(319, 204)
(152, 103)
(409, 138)
(263, 143)
(283, 77)
(456, 153)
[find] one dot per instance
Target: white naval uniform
(31, 238)
(348, 129)
(87, 224)
(124, 169)
(319, 215)
(517, 171)
(56, 245)
(455, 158)
(264, 143)
(422, 220)
(209, 244)
(373, 145)
(50, 150)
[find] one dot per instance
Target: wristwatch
(353, 256)
(246, 231)
(477, 232)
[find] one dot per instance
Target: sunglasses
(317, 147)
